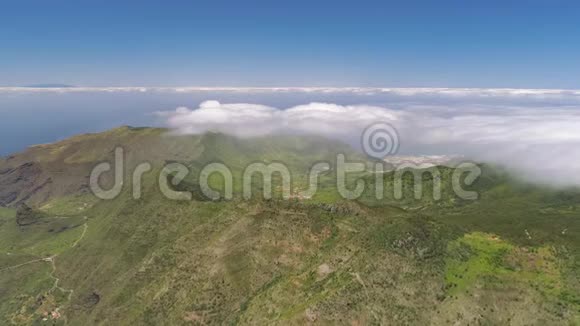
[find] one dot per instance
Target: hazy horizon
(532, 131)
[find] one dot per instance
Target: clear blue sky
(529, 44)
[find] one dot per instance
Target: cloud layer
(540, 138)
(420, 91)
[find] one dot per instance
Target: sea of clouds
(535, 132)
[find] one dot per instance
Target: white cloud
(541, 142)
(447, 92)
(246, 120)
(536, 131)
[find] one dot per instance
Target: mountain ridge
(509, 257)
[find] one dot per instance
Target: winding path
(51, 260)
(27, 263)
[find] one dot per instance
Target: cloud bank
(540, 140)
(419, 91)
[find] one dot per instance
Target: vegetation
(510, 257)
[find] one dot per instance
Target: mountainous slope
(45, 172)
(510, 257)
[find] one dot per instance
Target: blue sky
(527, 44)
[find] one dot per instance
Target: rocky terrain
(66, 257)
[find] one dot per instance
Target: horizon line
(328, 89)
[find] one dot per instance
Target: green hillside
(510, 257)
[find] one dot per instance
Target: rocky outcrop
(26, 216)
(14, 180)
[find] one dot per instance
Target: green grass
(50, 237)
(479, 256)
(510, 257)
(474, 257)
(7, 213)
(73, 205)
